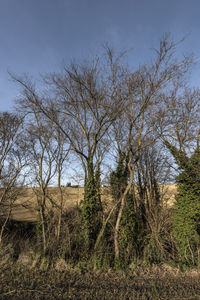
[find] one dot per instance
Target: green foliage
(102, 260)
(71, 245)
(91, 209)
(127, 232)
(154, 250)
(186, 216)
(186, 213)
(98, 183)
(119, 178)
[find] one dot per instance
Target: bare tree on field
(60, 151)
(40, 138)
(144, 89)
(83, 106)
(99, 102)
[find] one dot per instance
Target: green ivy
(91, 209)
(127, 233)
(186, 212)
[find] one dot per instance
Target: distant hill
(26, 208)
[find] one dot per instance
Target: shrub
(186, 213)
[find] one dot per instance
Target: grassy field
(17, 284)
(25, 208)
(44, 278)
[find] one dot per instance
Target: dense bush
(186, 212)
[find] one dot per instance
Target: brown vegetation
(20, 283)
(26, 206)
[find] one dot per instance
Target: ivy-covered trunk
(186, 212)
(121, 182)
(91, 208)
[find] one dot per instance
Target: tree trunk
(91, 208)
(120, 213)
(4, 224)
(44, 242)
(60, 212)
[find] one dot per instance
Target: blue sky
(38, 36)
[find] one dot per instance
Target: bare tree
(144, 90)
(12, 162)
(180, 132)
(180, 117)
(85, 100)
(40, 138)
(84, 105)
(60, 151)
(154, 214)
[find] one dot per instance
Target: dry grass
(19, 283)
(25, 208)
